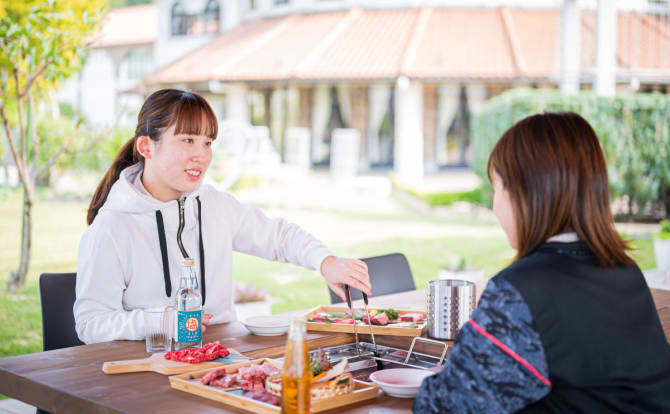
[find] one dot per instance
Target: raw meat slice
(226, 381)
(411, 317)
(380, 319)
(212, 375)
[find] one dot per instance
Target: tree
(40, 45)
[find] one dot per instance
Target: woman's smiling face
(175, 164)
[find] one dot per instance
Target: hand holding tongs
(347, 292)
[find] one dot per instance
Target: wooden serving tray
(190, 383)
(363, 329)
(158, 363)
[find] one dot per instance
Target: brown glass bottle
(296, 374)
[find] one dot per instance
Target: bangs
(192, 115)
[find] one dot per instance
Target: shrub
(634, 131)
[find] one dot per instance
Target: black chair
(388, 274)
(57, 294)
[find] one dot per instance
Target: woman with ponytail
(151, 209)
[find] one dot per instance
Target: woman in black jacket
(570, 326)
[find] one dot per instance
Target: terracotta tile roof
(450, 48)
(129, 26)
(429, 43)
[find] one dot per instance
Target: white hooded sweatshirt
(120, 265)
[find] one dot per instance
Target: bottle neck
(188, 279)
(297, 331)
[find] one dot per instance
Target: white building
(405, 74)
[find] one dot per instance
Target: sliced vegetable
(390, 312)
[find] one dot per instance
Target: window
(211, 17)
(135, 64)
(179, 20)
(280, 2)
(208, 21)
(252, 4)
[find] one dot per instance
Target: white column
(237, 108)
(606, 39)
(571, 26)
(408, 149)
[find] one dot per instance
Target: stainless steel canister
(450, 303)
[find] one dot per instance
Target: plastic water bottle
(188, 320)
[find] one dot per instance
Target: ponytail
(125, 158)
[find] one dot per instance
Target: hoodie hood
(125, 197)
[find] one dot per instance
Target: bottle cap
(187, 261)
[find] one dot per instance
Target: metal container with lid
(450, 303)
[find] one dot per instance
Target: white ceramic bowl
(267, 325)
(400, 382)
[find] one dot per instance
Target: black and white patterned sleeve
(497, 364)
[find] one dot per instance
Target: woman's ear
(144, 146)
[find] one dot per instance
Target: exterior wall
(169, 48)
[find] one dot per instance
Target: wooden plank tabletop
(71, 380)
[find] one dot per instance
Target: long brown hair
(554, 170)
(188, 111)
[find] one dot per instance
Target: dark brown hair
(554, 170)
(187, 111)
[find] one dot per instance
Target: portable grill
(361, 366)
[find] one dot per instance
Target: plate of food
(387, 321)
(270, 325)
(256, 386)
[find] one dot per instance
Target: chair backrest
(57, 294)
(388, 274)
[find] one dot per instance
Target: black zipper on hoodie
(180, 229)
(180, 204)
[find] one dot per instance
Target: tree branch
(33, 78)
(19, 105)
(8, 132)
(41, 70)
(33, 126)
(51, 160)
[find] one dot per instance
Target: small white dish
(400, 382)
(267, 325)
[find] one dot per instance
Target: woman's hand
(206, 317)
(353, 272)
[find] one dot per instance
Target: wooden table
(71, 380)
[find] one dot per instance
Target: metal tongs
(367, 311)
(347, 292)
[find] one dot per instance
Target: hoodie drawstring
(164, 254)
(202, 252)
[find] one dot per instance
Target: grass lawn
(59, 225)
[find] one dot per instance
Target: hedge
(634, 131)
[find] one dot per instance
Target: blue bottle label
(188, 326)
